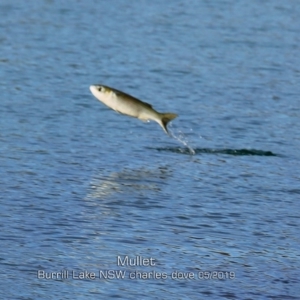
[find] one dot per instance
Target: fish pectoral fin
(118, 112)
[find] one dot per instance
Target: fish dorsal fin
(119, 93)
(149, 105)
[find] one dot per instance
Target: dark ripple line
(235, 152)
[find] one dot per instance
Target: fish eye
(100, 89)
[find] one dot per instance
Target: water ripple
(235, 152)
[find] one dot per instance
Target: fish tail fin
(165, 119)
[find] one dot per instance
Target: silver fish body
(130, 106)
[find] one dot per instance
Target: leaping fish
(130, 106)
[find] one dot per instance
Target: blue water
(81, 185)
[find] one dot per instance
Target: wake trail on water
(181, 138)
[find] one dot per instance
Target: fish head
(100, 91)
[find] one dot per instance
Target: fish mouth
(93, 89)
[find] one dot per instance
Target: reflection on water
(131, 181)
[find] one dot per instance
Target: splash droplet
(180, 137)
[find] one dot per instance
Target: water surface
(82, 185)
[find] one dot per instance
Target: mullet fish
(130, 106)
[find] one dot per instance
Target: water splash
(181, 138)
